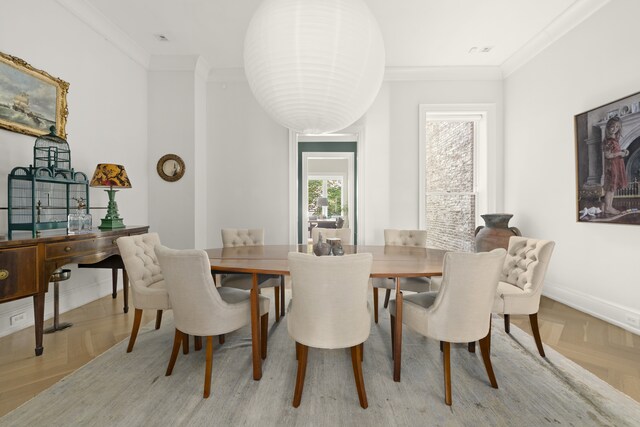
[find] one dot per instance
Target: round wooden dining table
(388, 262)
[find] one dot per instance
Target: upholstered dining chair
(411, 238)
(329, 310)
(461, 311)
(520, 286)
(147, 283)
(344, 234)
(200, 308)
(235, 237)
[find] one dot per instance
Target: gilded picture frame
(607, 141)
(31, 100)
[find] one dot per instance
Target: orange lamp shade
(110, 175)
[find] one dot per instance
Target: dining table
(393, 262)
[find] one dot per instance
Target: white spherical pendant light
(314, 65)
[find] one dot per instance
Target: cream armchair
(461, 311)
(411, 238)
(242, 237)
(329, 310)
(147, 283)
(201, 309)
(344, 234)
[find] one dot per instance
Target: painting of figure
(608, 162)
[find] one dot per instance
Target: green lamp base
(111, 224)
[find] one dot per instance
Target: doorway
(327, 187)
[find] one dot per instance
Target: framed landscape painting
(31, 100)
(608, 162)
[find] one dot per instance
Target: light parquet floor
(608, 351)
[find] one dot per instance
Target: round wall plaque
(170, 167)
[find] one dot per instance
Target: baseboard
(609, 312)
(71, 297)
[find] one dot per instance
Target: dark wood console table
(27, 264)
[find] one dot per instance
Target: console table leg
(125, 289)
(38, 315)
(114, 281)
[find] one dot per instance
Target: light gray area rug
(119, 389)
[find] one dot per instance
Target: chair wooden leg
(282, 307)
(362, 352)
(393, 335)
(533, 318)
(197, 343)
(114, 283)
(472, 347)
(302, 351)
(207, 368)
(264, 323)
(158, 318)
(446, 361)
(387, 295)
(137, 318)
(356, 361)
(177, 339)
(276, 297)
(185, 344)
(485, 349)
(507, 327)
(221, 339)
(375, 304)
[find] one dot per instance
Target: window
(457, 175)
(329, 187)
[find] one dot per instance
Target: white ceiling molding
(99, 23)
(225, 75)
(442, 73)
(575, 14)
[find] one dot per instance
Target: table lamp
(110, 175)
(323, 202)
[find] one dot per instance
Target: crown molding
(99, 23)
(573, 16)
(226, 75)
(442, 73)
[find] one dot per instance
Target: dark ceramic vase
(321, 247)
(495, 233)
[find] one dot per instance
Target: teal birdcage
(42, 196)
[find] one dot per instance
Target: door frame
(298, 143)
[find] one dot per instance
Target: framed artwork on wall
(31, 100)
(607, 142)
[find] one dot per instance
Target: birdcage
(51, 151)
(42, 196)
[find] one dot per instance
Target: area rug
(120, 389)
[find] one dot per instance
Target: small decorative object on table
(111, 175)
(336, 245)
(496, 233)
(321, 247)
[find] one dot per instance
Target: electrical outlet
(633, 320)
(17, 319)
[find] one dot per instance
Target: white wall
(594, 267)
(107, 123)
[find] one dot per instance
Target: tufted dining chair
(411, 238)
(329, 310)
(521, 281)
(147, 283)
(242, 237)
(200, 308)
(461, 311)
(344, 234)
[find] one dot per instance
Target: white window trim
(488, 167)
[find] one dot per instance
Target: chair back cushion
(526, 263)
(405, 238)
(143, 269)
(197, 306)
(329, 306)
(462, 309)
(344, 234)
(232, 237)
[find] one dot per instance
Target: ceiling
(417, 33)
